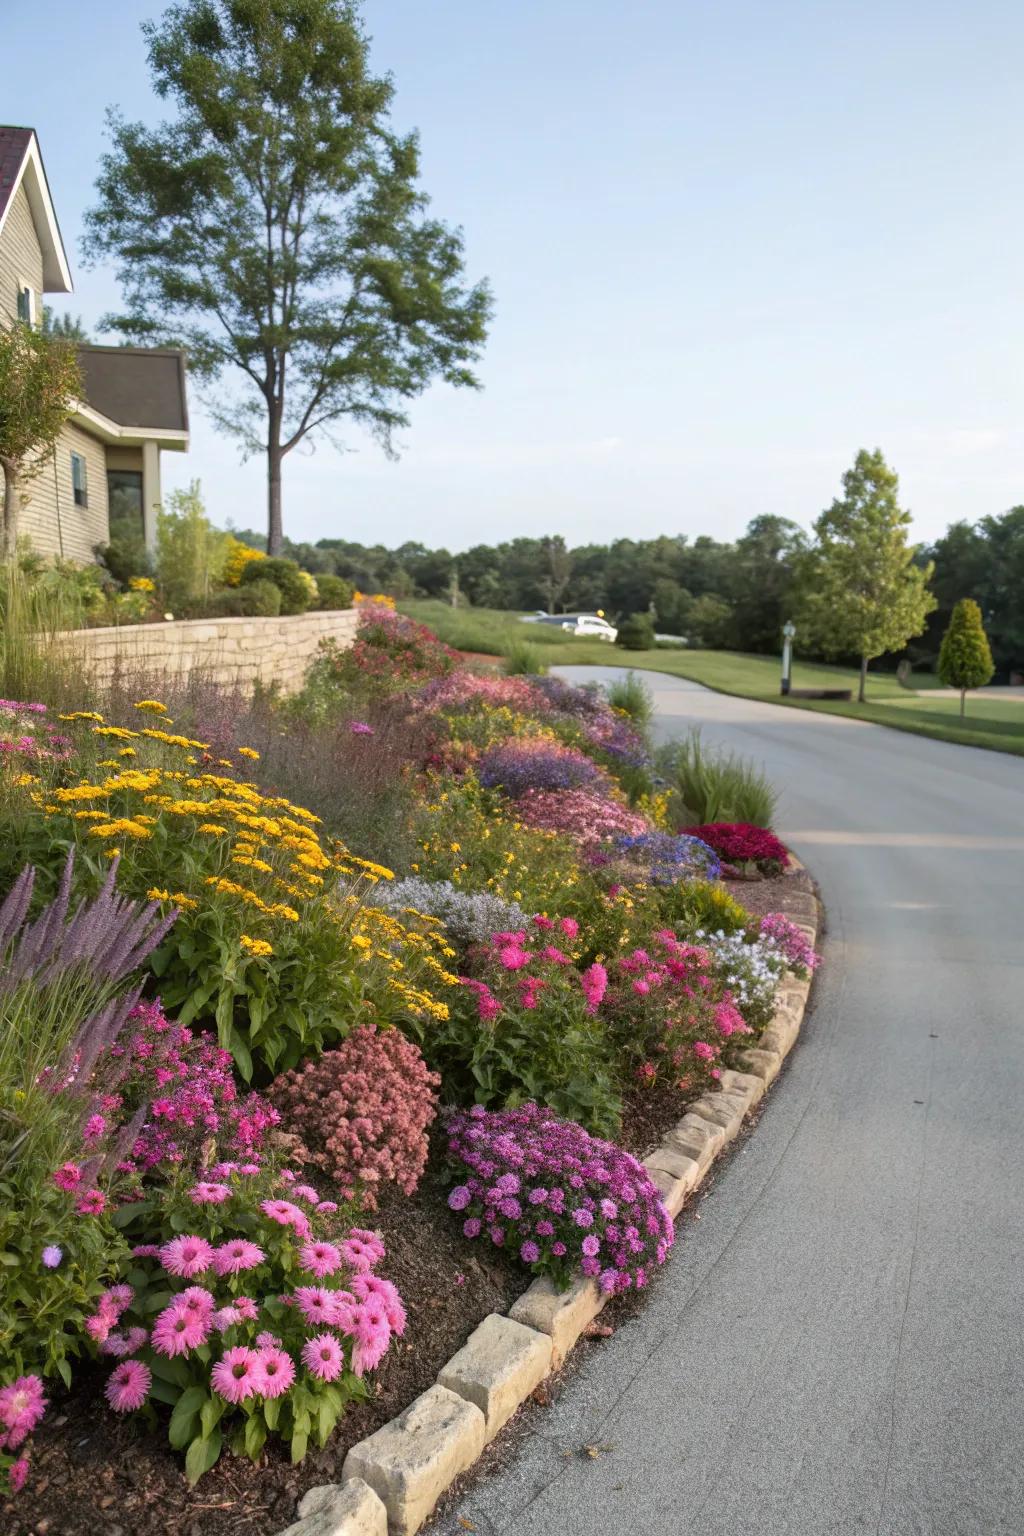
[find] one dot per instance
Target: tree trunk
(963, 697)
(274, 529)
(863, 678)
(12, 509)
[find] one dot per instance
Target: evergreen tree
(965, 660)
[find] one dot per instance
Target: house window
(124, 488)
(79, 481)
(26, 305)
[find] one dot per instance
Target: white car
(590, 625)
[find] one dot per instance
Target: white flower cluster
(470, 917)
(750, 968)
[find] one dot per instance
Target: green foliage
(35, 661)
(39, 378)
(286, 576)
(862, 593)
(189, 551)
(710, 622)
(523, 660)
(632, 696)
(636, 633)
(335, 592)
(984, 561)
(276, 226)
(260, 598)
(124, 555)
(965, 660)
(715, 785)
(66, 327)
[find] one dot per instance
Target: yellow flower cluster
(224, 841)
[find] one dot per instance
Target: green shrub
(711, 784)
(632, 696)
(260, 599)
(965, 660)
(636, 633)
(286, 575)
(523, 660)
(335, 591)
(228, 604)
(189, 551)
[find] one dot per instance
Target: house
(107, 460)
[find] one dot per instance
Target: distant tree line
(729, 595)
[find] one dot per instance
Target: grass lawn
(991, 721)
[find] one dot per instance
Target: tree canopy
(862, 593)
(276, 229)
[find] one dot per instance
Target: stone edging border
(392, 1480)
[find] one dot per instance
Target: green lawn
(991, 721)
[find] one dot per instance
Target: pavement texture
(835, 1345)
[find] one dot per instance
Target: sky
(730, 244)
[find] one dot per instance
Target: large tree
(39, 380)
(862, 593)
(276, 227)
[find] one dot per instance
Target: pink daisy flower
(322, 1356)
(275, 1371)
(357, 1254)
(209, 1194)
(247, 1307)
(232, 1257)
(128, 1386)
(305, 1192)
(186, 1256)
(68, 1176)
(315, 1303)
(234, 1376)
(177, 1331)
(92, 1203)
(195, 1299)
(268, 1341)
(320, 1259)
(17, 1474)
(225, 1318)
(327, 1207)
(287, 1215)
(146, 1251)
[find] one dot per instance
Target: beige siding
(21, 258)
(49, 516)
(124, 458)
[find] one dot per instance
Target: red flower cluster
(740, 842)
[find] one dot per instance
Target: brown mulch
(92, 1472)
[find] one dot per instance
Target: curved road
(836, 1345)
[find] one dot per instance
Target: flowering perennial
(560, 1199)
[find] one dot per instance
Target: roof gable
(21, 164)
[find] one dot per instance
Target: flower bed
(547, 961)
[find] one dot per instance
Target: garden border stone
(402, 1470)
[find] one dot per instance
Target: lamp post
(788, 635)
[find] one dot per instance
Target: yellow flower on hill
(152, 705)
(258, 947)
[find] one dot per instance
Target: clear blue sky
(730, 244)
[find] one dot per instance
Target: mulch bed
(94, 1472)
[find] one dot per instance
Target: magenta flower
(92, 1203)
(357, 1254)
(529, 1252)
(68, 1176)
(275, 1371)
(286, 1215)
(315, 1303)
(247, 1307)
(320, 1259)
(17, 1474)
(236, 1375)
(177, 1330)
(236, 1255)
(186, 1256)
(209, 1194)
(128, 1386)
(322, 1356)
(360, 728)
(591, 1245)
(459, 1198)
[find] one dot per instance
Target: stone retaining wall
(233, 652)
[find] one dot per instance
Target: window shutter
(79, 480)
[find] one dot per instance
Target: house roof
(21, 164)
(138, 388)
